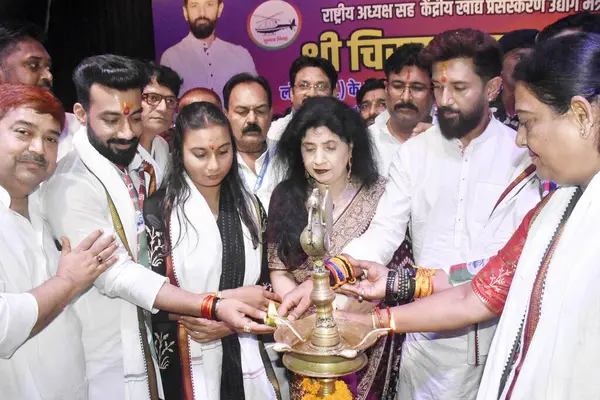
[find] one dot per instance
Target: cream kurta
(446, 194)
(51, 364)
(75, 204)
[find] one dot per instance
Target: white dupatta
(563, 359)
(196, 257)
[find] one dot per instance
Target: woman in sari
(328, 144)
(544, 282)
(205, 235)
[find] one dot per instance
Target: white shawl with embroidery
(562, 361)
(197, 266)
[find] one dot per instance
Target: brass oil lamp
(322, 346)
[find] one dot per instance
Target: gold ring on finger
(247, 328)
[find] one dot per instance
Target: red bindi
(126, 107)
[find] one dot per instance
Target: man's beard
(118, 157)
(460, 126)
(204, 30)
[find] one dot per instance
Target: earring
(582, 132)
(350, 168)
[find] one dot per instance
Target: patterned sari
(378, 379)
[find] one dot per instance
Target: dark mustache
(46, 84)
(206, 20)
(252, 127)
(123, 141)
(32, 157)
(409, 106)
(446, 109)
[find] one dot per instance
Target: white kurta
(202, 241)
(278, 126)
(65, 142)
(385, 144)
(75, 205)
(202, 66)
(51, 364)
(267, 166)
(446, 195)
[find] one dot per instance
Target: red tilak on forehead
(126, 107)
(444, 72)
(408, 75)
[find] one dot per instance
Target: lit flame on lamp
(272, 315)
(274, 319)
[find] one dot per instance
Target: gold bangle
(424, 282)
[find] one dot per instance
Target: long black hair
(201, 115)
(287, 211)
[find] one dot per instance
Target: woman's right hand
(93, 256)
(255, 296)
(296, 302)
(237, 314)
(374, 286)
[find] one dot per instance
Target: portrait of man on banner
(201, 58)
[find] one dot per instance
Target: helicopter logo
(274, 24)
(270, 25)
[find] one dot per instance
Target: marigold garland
(310, 388)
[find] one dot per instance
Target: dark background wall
(80, 28)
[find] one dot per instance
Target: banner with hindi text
(355, 35)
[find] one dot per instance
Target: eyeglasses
(414, 90)
(154, 99)
(319, 87)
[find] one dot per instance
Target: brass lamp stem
(326, 332)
